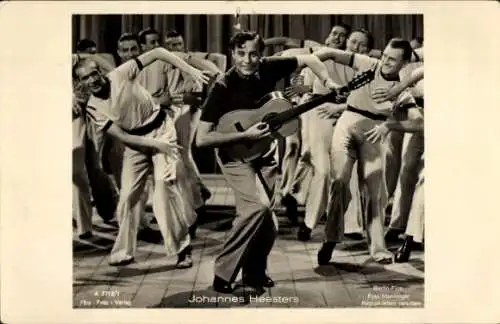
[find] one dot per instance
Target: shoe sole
(121, 263)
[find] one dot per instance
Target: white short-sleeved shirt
(154, 78)
(180, 82)
(361, 98)
(339, 73)
(129, 105)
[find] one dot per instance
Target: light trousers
(290, 160)
(298, 184)
(349, 145)
(82, 208)
(172, 201)
(186, 122)
(392, 149)
(320, 133)
(416, 219)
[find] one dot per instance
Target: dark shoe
(222, 286)
(291, 208)
(85, 235)
(122, 262)
(404, 251)
(184, 263)
(149, 235)
(259, 282)
(184, 259)
(111, 222)
(354, 236)
(267, 282)
(304, 233)
(416, 246)
(325, 253)
(392, 235)
(205, 193)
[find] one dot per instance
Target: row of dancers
(134, 125)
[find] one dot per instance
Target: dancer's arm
(414, 124)
(140, 141)
(381, 95)
(132, 67)
(104, 65)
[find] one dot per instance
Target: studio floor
(351, 280)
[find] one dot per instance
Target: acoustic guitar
(279, 113)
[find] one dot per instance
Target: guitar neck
(330, 97)
(305, 107)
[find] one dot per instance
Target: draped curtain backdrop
(211, 33)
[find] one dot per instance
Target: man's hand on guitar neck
(258, 131)
(332, 86)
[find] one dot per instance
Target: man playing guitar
(253, 233)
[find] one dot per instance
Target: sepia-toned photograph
(248, 160)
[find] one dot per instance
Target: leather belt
(145, 129)
(366, 113)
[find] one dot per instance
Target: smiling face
(128, 49)
(246, 58)
(337, 37)
(357, 43)
(392, 60)
(90, 77)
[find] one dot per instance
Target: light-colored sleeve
(362, 63)
(308, 76)
(420, 53)
(311, 44)
(128, 70)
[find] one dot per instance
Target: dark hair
(145, 32)
(368, 35)
(240, 38)
(402, 44)
(127, 37)
(343, 25)
(172, 33)
(419, 39)
(84, 44)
